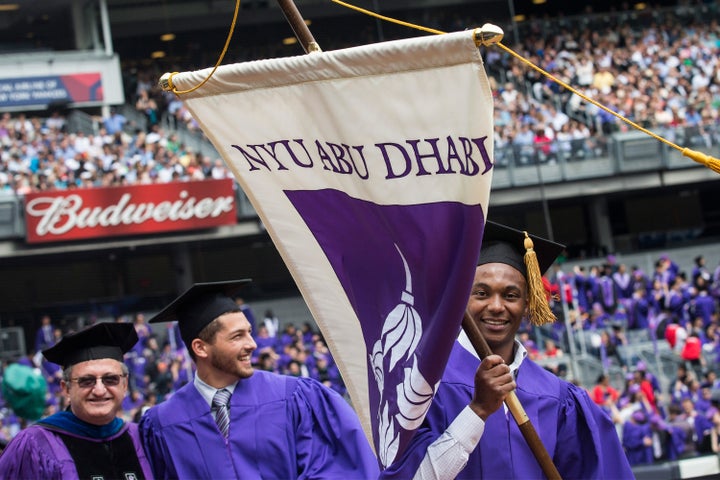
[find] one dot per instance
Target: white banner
(371, 170)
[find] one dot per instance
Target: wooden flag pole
(297, 23)
(513, 404)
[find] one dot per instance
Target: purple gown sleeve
(330, 442)
(155, 447)
(675, 442)
(33, 454)
(587, 444)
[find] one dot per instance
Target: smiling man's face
(97, 404)
(497, 305)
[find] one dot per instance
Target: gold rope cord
(167, 78)
(710, 162)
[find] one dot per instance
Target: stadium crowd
(658, 68)
(661, 71)
(619, 305)
(40, 155)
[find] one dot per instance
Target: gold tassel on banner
(538, 307)
(710, 162)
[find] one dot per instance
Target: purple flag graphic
(407, 272)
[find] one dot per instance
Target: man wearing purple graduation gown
(88, 440)
(280, 427)
(466, 434)
(637, 439)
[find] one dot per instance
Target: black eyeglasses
(89, 381)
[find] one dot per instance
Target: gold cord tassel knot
(710, 162)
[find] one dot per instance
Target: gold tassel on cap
(538, 307)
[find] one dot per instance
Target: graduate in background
(637, 439)
(466, 434)
(234, 422)
(88, 440)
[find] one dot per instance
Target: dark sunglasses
(90, 381)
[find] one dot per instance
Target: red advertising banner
(139, 209)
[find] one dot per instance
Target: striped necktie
(222, 418)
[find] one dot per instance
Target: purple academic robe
(578, 436)
(640, 314)
(623, 285)
(704, 306)
(581, 285)
(39, 453)
(633, 437)
(280, 427)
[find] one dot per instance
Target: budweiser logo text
(59, 215)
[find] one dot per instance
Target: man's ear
(199, 348)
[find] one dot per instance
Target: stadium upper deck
(136, 26)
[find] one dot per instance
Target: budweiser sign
(139, 209)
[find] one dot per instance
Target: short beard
(229, 366)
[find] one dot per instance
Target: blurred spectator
(143, 329)
(680, 385)
(272, 323)
(715, 418)
(553, 358)
(268, 361)
(692, 352)
(700, 271)
(45, 335)
(149, 108)
(647, 389)
(637, 439)
(247, 311)
(264, 341)
(602, 391)
(675, 335)
(132, 403)
(115, 122)
(684, 430)
(162, 381)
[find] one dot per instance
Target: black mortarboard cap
(199, 305)
(96, 342)
(503, 244)
(528, 254)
